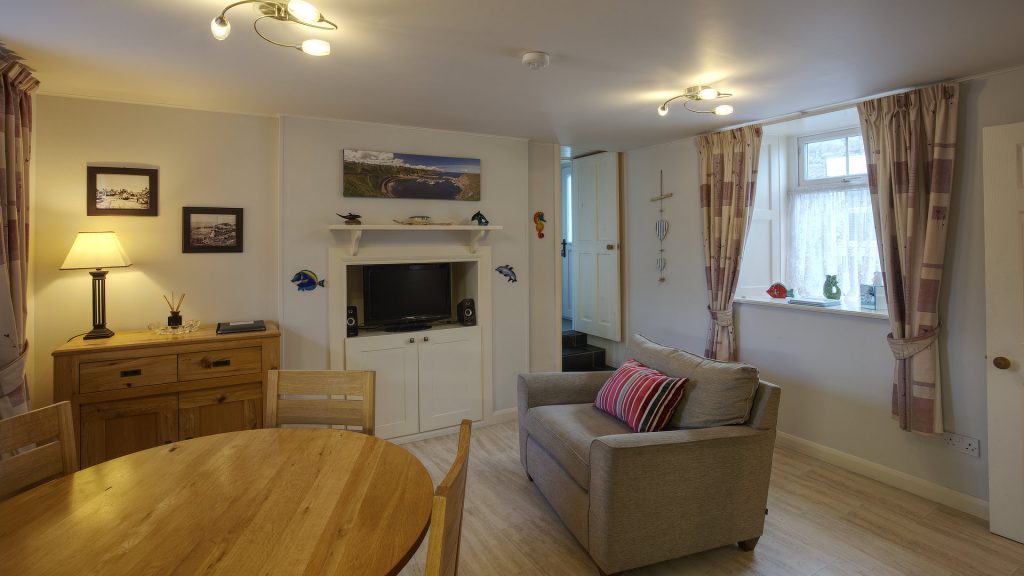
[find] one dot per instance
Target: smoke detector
(536, 60)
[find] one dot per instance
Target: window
(830, 225)
(832, 158)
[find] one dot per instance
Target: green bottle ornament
(831, 288)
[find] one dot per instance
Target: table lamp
(97, 250)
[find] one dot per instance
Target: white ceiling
(454, 64)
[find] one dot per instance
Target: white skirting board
(497, 417)
(918, 486)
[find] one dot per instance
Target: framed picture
(367, 174)
(211, 229)
(121, 191)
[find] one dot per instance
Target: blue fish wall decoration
(306, 280)
(507, 271)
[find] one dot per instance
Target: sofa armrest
(551, 388)
(709, 485)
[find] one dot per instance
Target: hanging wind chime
(661, 226)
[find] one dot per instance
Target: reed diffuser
(175, 318)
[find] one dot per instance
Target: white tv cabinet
(426, 380)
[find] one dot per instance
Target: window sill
(841, 310)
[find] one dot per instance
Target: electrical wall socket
(965, 444)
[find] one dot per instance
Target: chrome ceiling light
(297, 11)
(699, 94)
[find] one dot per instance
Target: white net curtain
(831, 232)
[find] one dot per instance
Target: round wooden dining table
(271, 501)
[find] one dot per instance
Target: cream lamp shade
(96, 250)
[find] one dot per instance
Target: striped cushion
(643, 398)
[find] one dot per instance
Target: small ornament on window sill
(831, 289)
(778, 290)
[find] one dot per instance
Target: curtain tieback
(13, 373)
(904, 348)
(722, 318)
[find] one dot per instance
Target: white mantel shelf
(474, 233)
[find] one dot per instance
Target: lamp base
(97, 333)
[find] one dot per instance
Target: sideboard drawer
(199, 365)
(126, 373)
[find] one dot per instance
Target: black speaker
(467, 312)
(351, 322)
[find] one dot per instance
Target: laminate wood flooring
(822, 521)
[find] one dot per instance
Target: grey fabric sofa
(633, 499)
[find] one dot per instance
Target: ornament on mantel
(351, 219)
(480, 219)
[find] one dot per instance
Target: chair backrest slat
(446, 515)
(324, 397)
(38, 446)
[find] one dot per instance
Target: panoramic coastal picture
(367, 174)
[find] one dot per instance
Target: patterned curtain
(728, 177)
(910, 140)
(16, 86)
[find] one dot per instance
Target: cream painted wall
(311, 194)
(205, 159)
(835, 370)
(545, 297)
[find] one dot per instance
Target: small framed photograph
(205, 230)
(121, 191)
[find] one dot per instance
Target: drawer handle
(219, 363)
(130, 373)
(221, 399)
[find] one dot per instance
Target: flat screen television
(403, 294)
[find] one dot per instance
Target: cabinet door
(225, 409)
(396, 396)
(119, 427)
(450, 377)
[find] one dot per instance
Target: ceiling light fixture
(699, 94)
(297, 11)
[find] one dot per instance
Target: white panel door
(1004, 314)
(450, 377)
(762, 257)
(394, 358)
(597, 304)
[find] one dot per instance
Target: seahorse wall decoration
(538, 222)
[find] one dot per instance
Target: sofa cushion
(643, 398)
(717, 393)
(566, 431)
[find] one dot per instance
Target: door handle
(1001, 362)
(412, 340)
(563, 247)
(426, 338)
(609, 246)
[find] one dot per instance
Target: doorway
(566, 179)
(590, 251)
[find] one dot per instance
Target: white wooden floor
(822, 521)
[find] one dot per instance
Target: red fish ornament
(777, 290)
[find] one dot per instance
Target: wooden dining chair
(321, 397)
(446, 515)
(50, 433)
